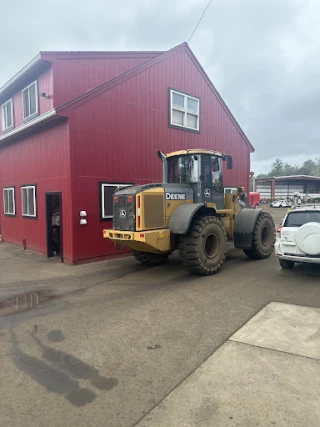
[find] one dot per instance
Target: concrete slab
(241, 385)
(284, 327)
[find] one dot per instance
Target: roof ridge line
(127, 74)
(76, 52)
(29, 65)
(39, 57)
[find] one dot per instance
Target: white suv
(298, 237)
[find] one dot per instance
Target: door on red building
(54, 225)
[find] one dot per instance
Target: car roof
(305, 208)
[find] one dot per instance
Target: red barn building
(76, 125)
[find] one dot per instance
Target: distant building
(283, 187)
(75, 126)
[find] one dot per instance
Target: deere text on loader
(189, 211)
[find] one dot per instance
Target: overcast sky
(262, 55)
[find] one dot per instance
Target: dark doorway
(54, 225)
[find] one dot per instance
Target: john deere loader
(189, 212)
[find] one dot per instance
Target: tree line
(281, 168)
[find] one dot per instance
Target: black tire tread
(255, 252)
(286, 264)
(188, 246)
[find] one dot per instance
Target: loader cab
(203, 171)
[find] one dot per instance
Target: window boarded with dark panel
(154, 211)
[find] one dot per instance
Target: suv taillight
(279, 230)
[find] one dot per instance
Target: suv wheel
(286, 264)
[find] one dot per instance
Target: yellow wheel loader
(189, 212)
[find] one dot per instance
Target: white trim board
(33, 62)
(29, 124)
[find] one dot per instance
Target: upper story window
(29, 205)
(9, 203)
(7, 115)
(184, 111)
(30, 101)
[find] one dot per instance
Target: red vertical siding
(117, 135)
(74, 75)
(45, 84)
(42, 159)
(17, 109)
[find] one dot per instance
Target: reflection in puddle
(24, 302)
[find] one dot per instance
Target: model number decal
(175, 196)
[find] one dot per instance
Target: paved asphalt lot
(106, 342)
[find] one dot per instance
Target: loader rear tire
(263, 237)
(204, 248)
(150, 259)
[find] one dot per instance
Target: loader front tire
(263, 237)
(203, 249)
(149, 259)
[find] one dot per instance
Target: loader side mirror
(229, 162)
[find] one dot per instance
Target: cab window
(211, 166)
(183, 170)
(216, 173)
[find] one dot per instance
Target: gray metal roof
(297, 177)
(307, 207)
(294, 177)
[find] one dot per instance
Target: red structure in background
(254, 199)
(98, 120)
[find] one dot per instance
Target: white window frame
(4, 124)
(27, 88)
(27, 215)
(232, 190)
(184, 110)
(14, 201)
(117, 186)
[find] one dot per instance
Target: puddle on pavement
(23, 302)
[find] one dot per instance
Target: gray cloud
(262, 55)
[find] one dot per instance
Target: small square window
(29, 206)
(107, 192)
(9, 203)
(7, 115)
(30, 101)
(184, 111)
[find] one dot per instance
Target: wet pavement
(102, 344)
(23, 302)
